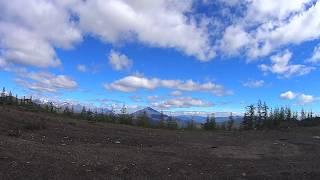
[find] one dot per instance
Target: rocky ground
(44, 146)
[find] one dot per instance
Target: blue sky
(172, 55)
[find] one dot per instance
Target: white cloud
(136, 98)
(161, 23)
(254, 83)
(302, 99)
(30, 31)
(282, 67)
(234, 39)
(45, 82)
(181, 102)
(269, 25)
(262, 11)
(119, 61)
(289, 95)
(316, 55)
(30, 36)
(306, 99)
(3, 63)
(82, 68)
(133, 83)
(153, 98)
(176, 93)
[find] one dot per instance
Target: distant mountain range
(153, 114)
(77, 108)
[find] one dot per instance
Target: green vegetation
(256, 117)
(210, 123)
(259, 117)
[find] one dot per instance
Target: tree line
(90, 114)
(256, 117)
(260, 116)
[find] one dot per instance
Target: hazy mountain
(77, 108)
(151, 113)
(202, 119)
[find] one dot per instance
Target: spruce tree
(259, 121)
(249, 118)
(230, 122)
(83, 113)
(172, 123)
(288, 114)
(265, 114)
(162, 123)
(143, 120)
(303, 115)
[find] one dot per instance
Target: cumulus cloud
(254, 83)
(268, 25)
(29, 36)
(176, 93)
(82, 68)
(119, 61)
(282, 67)
(159, 23)
(302, 99)
(3, 63)
(133, 83)
(136, 98)
(46, 82)
(182, 102)
(316, 55)
(289, 95)
(306, 99)
(234, 39)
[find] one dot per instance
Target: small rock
(117, 142)
(244, 174)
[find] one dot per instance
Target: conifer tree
(162, 123)
(303, 114)
(124, 118)
(172, 123)
(288, 114)
(259, 121)
(17, 100)
(249, 118)
(83, 113)
(67, 111)
(191, 124)
(210, 123)
(230, 122)
(143, 120)
(295, 116)
(282, 115)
